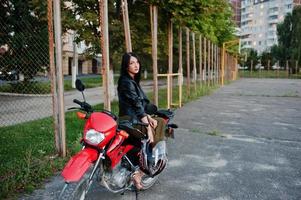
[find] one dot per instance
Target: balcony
(273, 12)
(273, 19)
(246, 20)
(272, 37)
(246, 46)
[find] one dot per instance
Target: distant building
(85, 65)
(259, 19)
(236, 7)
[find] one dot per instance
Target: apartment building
(86, 65)
(259, 19)
(236, 7)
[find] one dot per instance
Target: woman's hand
(152, 122)
(150, 135)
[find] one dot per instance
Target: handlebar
(77, 102)
(88, 108)
(84, 105)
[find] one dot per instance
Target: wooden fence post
(180, 77)
(188, 60)
(286, 68)
(251, 67)
(104, 40)
(126, 25)
(52, 75)
(200, 59)
(170, 58)
(212, 62)
(194, 60)
(154, 28)
(59, 76)
(209, 62)
(205, 61)
(296, 68)
(223, 64)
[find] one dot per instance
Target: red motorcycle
(108, 156)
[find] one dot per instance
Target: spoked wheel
(76, 191)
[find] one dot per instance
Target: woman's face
(134, 66)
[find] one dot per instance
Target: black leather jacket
(132, 99)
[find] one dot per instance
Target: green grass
(28, 154)
(267, 74)
(45, 87)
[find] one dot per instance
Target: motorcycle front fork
(96, 166)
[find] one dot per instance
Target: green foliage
(24, 31)
(211, 18)
(265, 58)
(289, 42)
(284, 30)
(281, 53)
(251, 57)
(296, 32)
(35, 87)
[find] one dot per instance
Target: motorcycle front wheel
(77, 190)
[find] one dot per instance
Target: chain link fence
(25, 89)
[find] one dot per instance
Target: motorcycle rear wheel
(77, 190)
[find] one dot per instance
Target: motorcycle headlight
(94, 137)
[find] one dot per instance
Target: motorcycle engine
(119, 176)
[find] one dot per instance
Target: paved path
(15, 108)
(243, 142)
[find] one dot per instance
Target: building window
(273, 17)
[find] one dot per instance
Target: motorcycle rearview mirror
(79, 85)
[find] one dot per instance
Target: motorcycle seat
(165, 113)
(131, 129)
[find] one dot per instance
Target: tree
(282, 51)
(278, 53)
(211, 18)
(289, 42)
(296, 34)
(24, 32)
(265, 58)
(251, 57)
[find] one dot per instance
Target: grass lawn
(45, 87)
(28, 154)
(267, 74)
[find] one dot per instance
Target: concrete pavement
(241, 142)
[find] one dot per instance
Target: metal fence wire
(25, 89)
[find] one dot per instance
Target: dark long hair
(125, 64)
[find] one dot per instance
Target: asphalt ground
(241, 142)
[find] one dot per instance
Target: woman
(132, 102)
